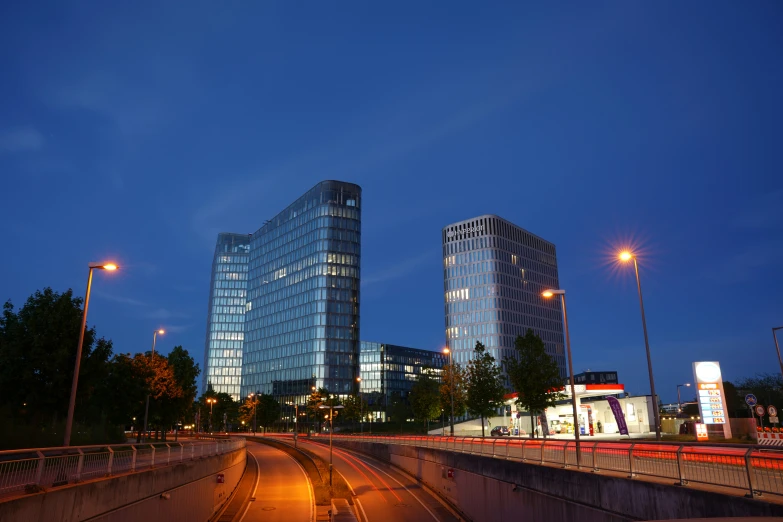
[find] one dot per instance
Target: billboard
(711, 397)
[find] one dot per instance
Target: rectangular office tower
(226, 316)
(302, 320)
(494, 273)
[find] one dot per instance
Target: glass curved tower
(302, 319)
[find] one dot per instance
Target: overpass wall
(191, 487)
(484, 488)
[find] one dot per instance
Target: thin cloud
(120, 299)
(23, 139)
(163, 314)
(396, 271)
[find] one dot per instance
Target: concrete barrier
(190, 490)
(484, 488)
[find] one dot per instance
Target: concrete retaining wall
(485, 488)
(191, 486)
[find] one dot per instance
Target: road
(282, 490)
(384, 494)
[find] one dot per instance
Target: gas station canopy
(583, 391)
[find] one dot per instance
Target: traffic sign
(773, 411)
(750, 400)
(773, 420)
(760, 410)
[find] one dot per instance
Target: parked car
(500, 431)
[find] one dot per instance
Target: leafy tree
(37, 356)
(484, 385)
(247, 410)
(268, 410)
(425, 398)
(355, 407)
(316, 399)
(767, 387)
(173, 408)
(225, 405)
(534, 375)
(399, 409)
(454, 377)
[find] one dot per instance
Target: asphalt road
(383, 494)
(282, 490)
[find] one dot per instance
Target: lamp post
(72, 401)
(679, 402)
(626, 256)
(211, 403)
(152, 358)
(547, 294)
(296, 420)
(451, 387)
(331, 429)
(361, 407)
(777, 346)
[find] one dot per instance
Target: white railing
(30, 470)
(756, 469)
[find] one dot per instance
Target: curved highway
(383, 493)
(281, 490)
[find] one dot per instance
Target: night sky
(136, 132)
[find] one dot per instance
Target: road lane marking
(309, 488)
(406, 489)
(255, 487)
(364, 515)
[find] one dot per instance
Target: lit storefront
(595, 415)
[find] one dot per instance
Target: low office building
(389, 371)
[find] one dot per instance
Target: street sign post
(760, 411)
(750, 400)
(773, 411)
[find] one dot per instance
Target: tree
(316, 399)
(454, 378)
(355, 408)
(484, 385)
(247, 410)
(767, 387)
(534, 375)
(399, 409)
(224, 407)
(37, 356)
(268, 410)
(185, 370)
(425, 398)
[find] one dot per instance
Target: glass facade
(302, 320)
(226, 316)
(388, 370)
(494, 273)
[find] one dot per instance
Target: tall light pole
(626, 256)
(777, 346)
(547, 294)
(254, 398)
(211, 403)
(451, 387)
(152, 358)
(77, 364)
(331, 429)
(679, 402)
(361, 407)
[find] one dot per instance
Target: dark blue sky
(137, 132)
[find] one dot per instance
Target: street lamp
(361, 407)
(254, 398)
(72, 402)
(626, 256)
(296, 420)
(547, 294)
(331, 429)
(451, 387)
(211, 403)
(679, 402)
(777, 346)
(152, 358)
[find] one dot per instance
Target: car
(500, 431)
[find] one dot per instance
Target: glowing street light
(211, 403)
(152, 358)
(72, 401)
(451, 388)
(679, 402)
(547, 294)
(626, 256)
(330, 416)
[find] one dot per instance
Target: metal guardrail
(755, 469)
(30, 470)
